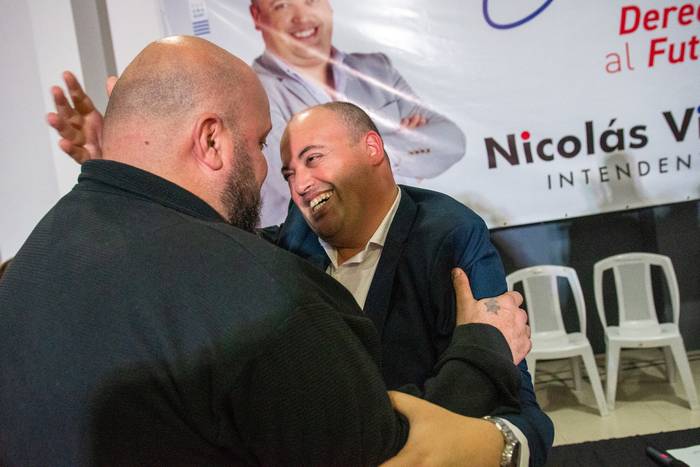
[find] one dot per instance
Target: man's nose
(302, 182)
(300, 12)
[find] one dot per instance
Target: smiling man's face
(328, 176)
(297, 31)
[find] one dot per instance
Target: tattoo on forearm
(492, 306)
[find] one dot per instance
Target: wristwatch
(510, 457)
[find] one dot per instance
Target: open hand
(79, 124)
(502, 312)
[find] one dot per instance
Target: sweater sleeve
(315, 396)
(475, 376)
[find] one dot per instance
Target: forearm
(425, 151)
(475, 376)
(315, 396)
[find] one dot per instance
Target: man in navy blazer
(391, 246)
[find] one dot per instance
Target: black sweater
(140, 329)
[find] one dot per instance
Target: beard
(241, 195)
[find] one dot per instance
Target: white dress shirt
(356, 273)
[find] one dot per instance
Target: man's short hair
(355, 119)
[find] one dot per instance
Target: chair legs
(670, 367)
(681, 357)
(592, 370)
(576, 372)
(674, 352)
(612, 363)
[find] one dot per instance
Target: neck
(372, 223)
(174, 166)
(345, 254)
(317, 70)
(320, 73)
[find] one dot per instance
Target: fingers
(510, 299)
(82, 103)
(63, 108)
(414, 121)
(65, 127)
(78, 153)
(463, 290)
(109, 85)
(516, 297)
(404, 403)
(66, 119)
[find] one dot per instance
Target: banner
(567, 108)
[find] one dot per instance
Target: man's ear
(208, 141)
(375, 147)
(255, 14)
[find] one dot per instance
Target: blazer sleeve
(475, 253)
(422, 152)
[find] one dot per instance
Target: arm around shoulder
(315, 397)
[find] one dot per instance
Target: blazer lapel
(379, 296)
(293, 86)
(296, 236)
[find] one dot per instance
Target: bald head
(355, 121)
(192, 113)
(174, 78)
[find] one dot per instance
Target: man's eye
(262, 145)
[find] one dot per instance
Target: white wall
(37, 42)
(134, 23)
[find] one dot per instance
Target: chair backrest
(541, 288)
(635, 298)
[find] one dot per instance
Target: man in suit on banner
(301, 68)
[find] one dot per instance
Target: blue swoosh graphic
(514, 24)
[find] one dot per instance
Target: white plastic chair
(549, 337)
(639, 326)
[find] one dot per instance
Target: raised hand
(502, 312)
(79, 124)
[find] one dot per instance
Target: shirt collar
(377, 240)
(112, 175)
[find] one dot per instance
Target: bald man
(142, 324)
(393, 247)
